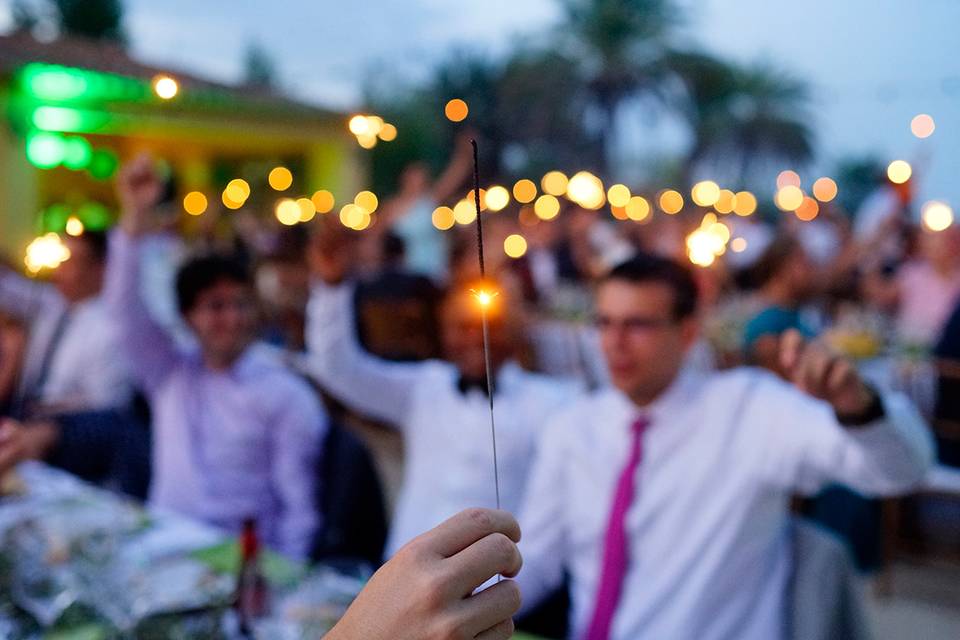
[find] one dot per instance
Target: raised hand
(426, 591)
(812, 367)
(139, 188)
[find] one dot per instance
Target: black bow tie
(465, 385)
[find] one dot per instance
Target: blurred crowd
(234, 372)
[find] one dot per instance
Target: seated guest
(783, 278)
(440, 406)
(666, 498)
(71, 361)
(235, 434)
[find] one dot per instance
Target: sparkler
(485, 298)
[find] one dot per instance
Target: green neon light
(103, 165)
(78, 153)
(45, 150)
(57, 83)
(94, 216)
(65, 119)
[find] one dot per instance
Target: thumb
(791, 345)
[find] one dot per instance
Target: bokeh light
(899, 171)
(524, 191)
(670, 201)
(638, 209)
(237, 190)
(619, 195)
(726, 201)
(483, 199)
(824, 189)
(280, 178)
(465, 212)
(808, 209)
(788, 198)
(555, 183)
(287, 211)
(359, 125)
(165, 87)
(547, 207)
(456, 110)
(307, 209)
(620, 213)
(936, 215)
(443, 218)
(586, 190)
(497, 198)
(367, 200)
(195, 203)
(74, 226)
(515, 245)
(738, 245)
(788, 178)
(46, 252)
(324, 201)
(922, 125)
(388, 132)
(745, 203)
(706, 193)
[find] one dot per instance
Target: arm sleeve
(298, 431)
(541, 520)
(149, 350)
(369, 385)
(24, 298)
(807, 448)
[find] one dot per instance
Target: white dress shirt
(707, 529)
(85, 371)
(448, 450)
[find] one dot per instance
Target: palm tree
(741, 116)
(622, 47)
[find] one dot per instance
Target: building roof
(21, 48)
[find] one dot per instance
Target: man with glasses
(235, 434)
(666, 497)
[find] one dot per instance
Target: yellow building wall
(19, 191)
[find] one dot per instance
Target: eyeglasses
(634, 324)
(219, 305)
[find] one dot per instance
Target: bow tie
(466, 384)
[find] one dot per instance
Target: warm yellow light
(745, 203)
(671, 201)
(483, 199)
(547, 207)
(619, 195)
(620, 213)
(287, 211)
(726, 201)
(443, 218)
(46, 252)
(464, 212)
(359, 125)
(352, 216)
(363, 222)
(374, 125)
(586, 189)
(195, 203)
(524, 191)
(937, 215)
(515, 245)
(324, 201)
(788, 178)
(824, 189)
(307, 209)
(367, 140)
(899, 171)
(808, 209)
(922, 125)
(788, 198)
(484, 298)
(497, 198)
(228, 203)
(388, 132)
(705, 193)
(456, 110)
(280, 178)
(638, 208)
(367, 200)
(237, 190)
(554, 183)
(74, 226)
(738, 245)
(165, 87)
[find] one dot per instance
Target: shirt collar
(673, 399)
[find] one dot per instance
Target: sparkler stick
(485, 298)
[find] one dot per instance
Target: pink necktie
(615, 556)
